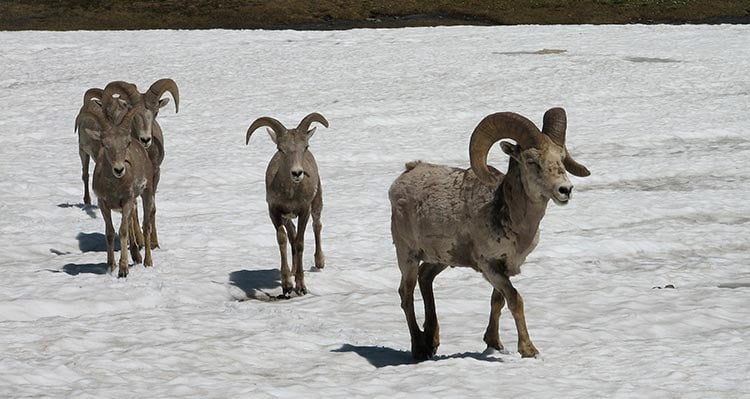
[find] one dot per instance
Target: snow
(658, 113)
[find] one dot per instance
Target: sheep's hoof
(528, 350)
(122, 273)
(300, 291)
(493, 343)
(423, 350)
(421, 355)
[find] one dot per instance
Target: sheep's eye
(307, 147)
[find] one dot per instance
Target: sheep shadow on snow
(95, 242)
(256, 283)
(380, 356)
(89, 209)
(90, 268)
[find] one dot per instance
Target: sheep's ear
(510, 149)
(163, 102)
(272, 133)
(94, 134)
(311, 132)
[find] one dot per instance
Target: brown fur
(289, 198)
(145, 128)
(443, 216)
(123, 172)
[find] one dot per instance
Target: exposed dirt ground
(343, 14)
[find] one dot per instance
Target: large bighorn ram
(293, 190)
(122, 173)
(145, 107)
(479, 218)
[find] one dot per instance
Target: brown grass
(339, 14)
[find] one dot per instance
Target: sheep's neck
(514, 211)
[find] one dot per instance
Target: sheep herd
(440, 216)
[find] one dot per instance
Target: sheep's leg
(149, 210)
(125, 222)
(291, 231)
(317, 208)
(85, 158)
(409, 266)
(427, 274)
(502, 283)
(281, 239)
(154, 236)
(492, 334)
(298, 247)
(136, 228)
(135, 249)
(109, 234)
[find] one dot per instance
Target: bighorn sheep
(145, 107)
(88, 148)
(122, 173)
(293, 190)
(479, 218)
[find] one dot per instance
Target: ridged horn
(161, 86)
(127, 91)
(493, 128)
(95, 115)
(93, 92)
(274, 124)
(574, 167)
(304, 124)
(555, 126)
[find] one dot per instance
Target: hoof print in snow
(668, 286)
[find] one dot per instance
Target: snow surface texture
(658, 113)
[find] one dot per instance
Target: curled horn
(274, 124)
(555, 125)
(95, 115)
(158, 89)
(93, 92)
(493, 128)
(304, 125)
(127, 91)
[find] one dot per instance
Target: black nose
(298, 173)
(565, 190)
(146, 141)
(118, 171)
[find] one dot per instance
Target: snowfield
(658, 113)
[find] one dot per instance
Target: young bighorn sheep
(88, 148)
(123, 172)
(145, 108)
(293, 190)
(479, 218)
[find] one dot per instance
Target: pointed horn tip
(247, 136)
(260, 122)
(583, 172)
(575, 168)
